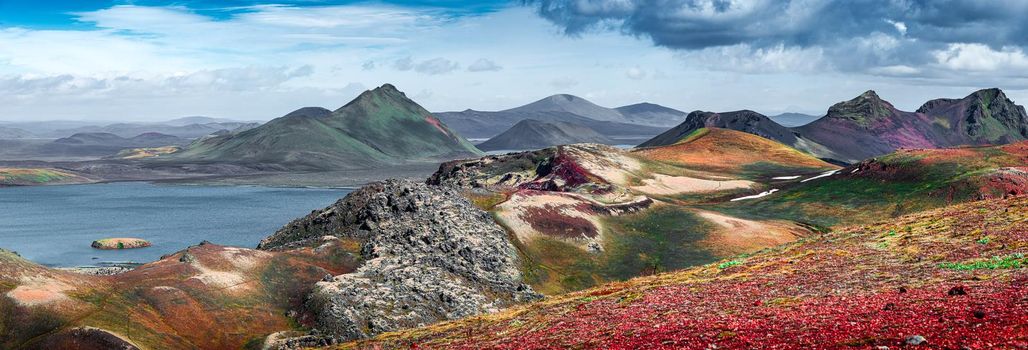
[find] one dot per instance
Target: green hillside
(380, 127)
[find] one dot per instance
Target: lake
(54, 225)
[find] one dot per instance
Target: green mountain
(380, 127)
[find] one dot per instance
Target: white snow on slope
(761, 194)
(825, 174)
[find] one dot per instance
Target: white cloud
(979, 57)
(900, 26)
(635, 73)
(436, 66)
(563, 82)
(404, 64)
(484, 65)
(743, 58)
(155, 62)
(896, 70)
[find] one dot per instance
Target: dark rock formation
(429, 255)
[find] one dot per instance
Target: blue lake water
(54, 225)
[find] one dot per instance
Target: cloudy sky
(254, 59)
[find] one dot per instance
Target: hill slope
(899, 183)
(585, 214)
(535, 134)
(651, 114)
(949, 278)
(727, 150)
(379, 127)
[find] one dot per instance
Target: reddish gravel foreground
(935, 276)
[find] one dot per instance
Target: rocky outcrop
(508, 170)
(429, 255)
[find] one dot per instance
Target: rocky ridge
(428, 255)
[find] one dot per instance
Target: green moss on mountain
(380, 127)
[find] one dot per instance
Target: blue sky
(153, 60)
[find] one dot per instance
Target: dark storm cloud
(697, 24)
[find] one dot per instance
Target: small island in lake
(120, 243)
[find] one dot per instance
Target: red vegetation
(563, 174)
(551, 222)
(862, 287)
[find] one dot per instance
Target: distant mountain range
(534, 134)
(187, 127)
(634, 121)
(9, 133)
(175, 128)
(868, 126)
(793, 119)
(380, 127)
(83, 146)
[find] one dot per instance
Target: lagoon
(54, 225)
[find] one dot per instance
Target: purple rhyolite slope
(868, 126)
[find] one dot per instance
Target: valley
(565, 244)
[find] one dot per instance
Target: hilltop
(380, 127)
(948, 278)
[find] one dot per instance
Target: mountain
(571, 104)
(636, 122)
(380, 127)
(651, 114)
(9, 133)
(984, 117)
(534, 134)
(479, 124)
(868, 126)
(793, 119)
(944, 279)
(745, 120)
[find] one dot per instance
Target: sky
(148, 60)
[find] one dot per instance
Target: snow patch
(759, 195)
(825, 174)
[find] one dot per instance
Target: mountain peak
(386, 91)
(990, 94)
(870, 95)
(862, 109)
(570, 104)
(388, 88)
